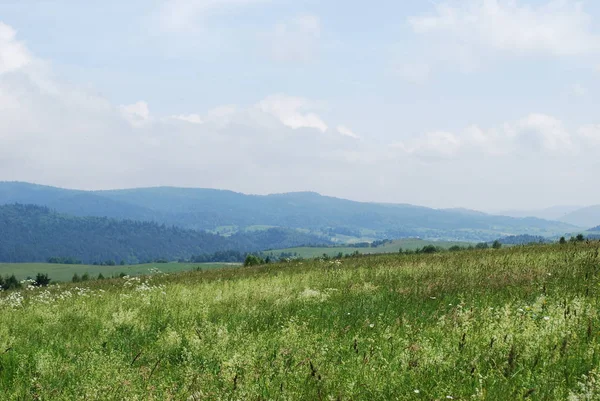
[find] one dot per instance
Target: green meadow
(61, 273)
(392, 247)
(512, 324)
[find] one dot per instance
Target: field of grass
(58, 272)
(393, 247)
(509, 324)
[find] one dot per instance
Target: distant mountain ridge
(550, 213)
(584, 217)
(210, 209)
(30, 233)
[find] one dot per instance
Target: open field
(393, 247)
(510, 324)
(58, 272)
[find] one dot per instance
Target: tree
(75, 278)
(253, 260)
(85, 277)
(562, 241)
(497, 244)
(482, 245)
(10, 283)
(428, 249)
(41, 280)
(100, 276)
(580, 238)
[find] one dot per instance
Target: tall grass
(510, 324)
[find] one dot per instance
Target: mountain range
(221, 211)
(30, 233)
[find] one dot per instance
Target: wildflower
(432, 298)
(417, 391)
(521, 310)
(449, 397)
(546, 318)
(372, 325)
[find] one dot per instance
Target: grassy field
(509, 324)
(393, 247)
(58, 272)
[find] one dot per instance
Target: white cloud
(590, 135)
(190, 118)
(347, 132)
(13, 54)
(291, 111)
(432, 145)
(137, 114)
(557, 27)
(466, 34)
(296, 39)
(414, 72)
(186, 15)
(541, 132)
(578, 90)
(535, 133)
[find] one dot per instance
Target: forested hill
(210, 209)
(31, 233)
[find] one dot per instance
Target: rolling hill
(584, 217)
(31, 233)
(550, 213)
(209, 209)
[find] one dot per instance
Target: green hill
(209, 209)
(512, 324)
(31, 233)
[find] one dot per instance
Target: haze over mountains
(223, 211)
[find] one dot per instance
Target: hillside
(584, 217)
(33, 234)
(510, 324)
(550, 213)
(209, 209)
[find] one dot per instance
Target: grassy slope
(498, 324)
(394, 247)
(59, 272)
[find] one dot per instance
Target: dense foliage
(33, 233)
(523, 239)
(510, 324)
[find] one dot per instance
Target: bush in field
(41, 280)
(10, 283)
(253, 260)
(497, 244)
(428, 249)
(482, 245)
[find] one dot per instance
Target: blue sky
(489, 104)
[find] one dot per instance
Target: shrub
(41, 280)
(253, 260)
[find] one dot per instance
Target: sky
(484, 104)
